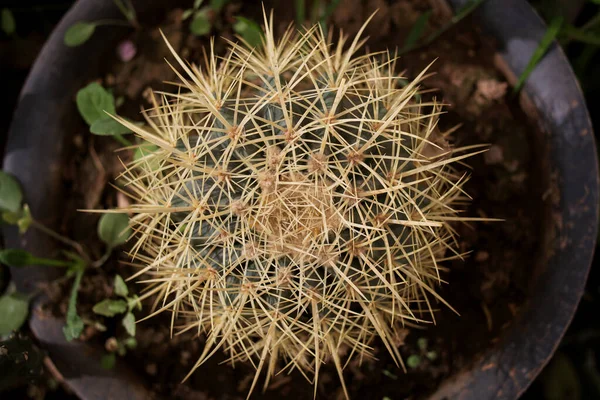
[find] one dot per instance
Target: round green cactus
(299, 203)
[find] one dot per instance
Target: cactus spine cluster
(299, 203)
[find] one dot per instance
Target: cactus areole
(299, 206)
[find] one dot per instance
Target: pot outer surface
(46, 115)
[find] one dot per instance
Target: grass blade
(580, 35)
(416, 31)
(326, 14)
(300, 11)
(459, 16)
(329, 10)
(540, 51)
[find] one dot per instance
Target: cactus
(299, 203)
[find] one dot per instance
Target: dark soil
(487, 288)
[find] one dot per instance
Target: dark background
(572, 374)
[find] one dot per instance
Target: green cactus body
(301, 206)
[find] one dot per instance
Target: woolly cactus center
(294, 214)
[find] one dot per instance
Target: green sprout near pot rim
(112, 308)
(113, 230)
(109, 360)
(14, 308)
(9, 25)
(96, 106)
(414, 39)
(124, 305)
(82, 31)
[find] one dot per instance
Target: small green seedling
(124, 305)
(422, 344)
(249, 31)
(416, 31)
(320, 12)
(143, 154)
(389, 374)
(22, 258)
(113, 307)
(201, 24)
(14, 308)
(413, 361)
(11, 195)
(74, 324)
(188, 13)
(218, 5)
(203, 18)
(9, 25)
(117, 347)
(96, 106)
(414, 40)
(113, 229)
(82, 31)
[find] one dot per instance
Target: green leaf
(329, 11)
(113, 229)
(200, 25)
(540, 51)
(389, 374)
(77, 263)
(25, 220)
(22, 258)
(120, 286)
(10, 217)
(8, 22)
(581, 35)
(416, 31)
(130, 343)
(217, 5)
(249, 30)
(422, 344)
(431, 355)
(187, 13)
(129, 323)
(144, 150)
(79, 33)
(197, 4)
(560, 379)
(462, 13)
(92, 102)
(16, 257)
(10, 193)
(110, 308)
(126, 9)
(413, 361)
(134, 302)
(300, 6)
(74, 326)
(14, 309)
(108, 361)
(108, 126)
